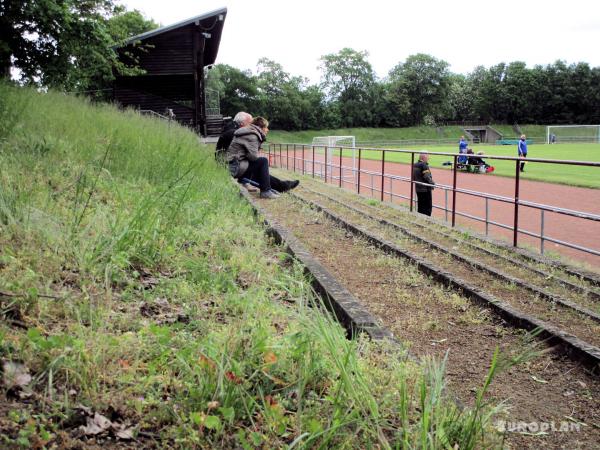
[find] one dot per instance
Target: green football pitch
(553, 173)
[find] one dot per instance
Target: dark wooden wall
(157, 94)
(166, 54)
(173, 62)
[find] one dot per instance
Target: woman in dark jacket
(244, 162)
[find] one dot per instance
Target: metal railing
(321, 162)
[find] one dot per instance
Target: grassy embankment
(553, 173)
(134, 281)
(398, 134)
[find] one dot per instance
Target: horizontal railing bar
(502, 158)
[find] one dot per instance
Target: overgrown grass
(135, 282)
(398, 134)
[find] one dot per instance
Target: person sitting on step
(244, 162)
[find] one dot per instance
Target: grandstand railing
(313, 160)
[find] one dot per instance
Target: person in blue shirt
(462, 148)
(522, 147)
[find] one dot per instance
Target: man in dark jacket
(241, 119)
(422, 174)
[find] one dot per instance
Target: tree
(486, 88)
(288, 101)
(460, 99)
(426, 81)
(348, 79)
(65, 43)
(123, 24)
(237, 89)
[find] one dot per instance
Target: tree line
(69, 45)
(418, 91)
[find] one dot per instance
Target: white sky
(465, 33)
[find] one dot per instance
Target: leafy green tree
(123, 24)
(393, 109)
(348, 79)
(460, 99)
(426, 81)
(279, 95)
(485, 86)
(289, 101)
(65, 43)
(237, 89)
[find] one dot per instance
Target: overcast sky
(465, 33)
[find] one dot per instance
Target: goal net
(557, 134)
(330, 147)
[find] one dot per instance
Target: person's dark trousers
(424, 205)
(259, 171)
(523, 164)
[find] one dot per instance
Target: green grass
(134, 281)
(368, 134)
(552, 173)
(397, 134)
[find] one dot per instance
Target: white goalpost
(329, 144)
(556, 134)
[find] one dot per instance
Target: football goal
(556, 134)
(331, 144)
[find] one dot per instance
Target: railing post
(542, 233)
(313, 161)
(281, 156)
(454, 191)
(446, 205)
(294, 160)
(269, 155)
(412, 180)
(359, 159)
(341, 166)
(487, 216)
(325, 164)
(287, 156)
(303, 162)
(382, 172)
(516, 223)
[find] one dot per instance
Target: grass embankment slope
(144, 300)
(552, 173)
(399, 134)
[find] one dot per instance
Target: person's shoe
(269, 194)
(289, 185)
(250, 188)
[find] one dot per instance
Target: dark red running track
(558, 226)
